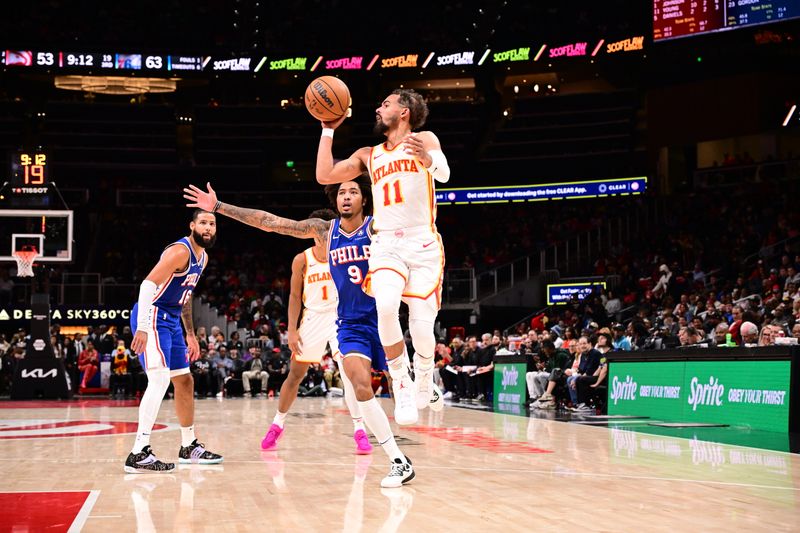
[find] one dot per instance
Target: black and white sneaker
(402, 472)
(196, 453)
(145, 462)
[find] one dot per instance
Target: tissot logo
(38, 373)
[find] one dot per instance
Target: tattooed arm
(312, 228)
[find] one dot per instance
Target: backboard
(50, 231)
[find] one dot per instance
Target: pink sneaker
(363, 447)
(270, 440)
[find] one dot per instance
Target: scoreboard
(82, 60)
(683, 18)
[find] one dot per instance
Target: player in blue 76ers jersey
(348, 240)
(165, 300)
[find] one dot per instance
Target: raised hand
(199, 198)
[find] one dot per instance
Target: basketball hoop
(25, 258)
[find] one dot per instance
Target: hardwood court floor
(476, 471)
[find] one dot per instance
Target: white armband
(439, 169)
(327, 132)
(147, 292)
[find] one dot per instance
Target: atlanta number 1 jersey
(173, 293)
(402, 190)
(348, 256)
(319, 292)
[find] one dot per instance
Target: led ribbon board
(552, 191)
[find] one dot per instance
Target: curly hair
(416, 105)
(332, 191)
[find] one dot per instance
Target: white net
(25, 259)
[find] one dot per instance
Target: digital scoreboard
(683, 18)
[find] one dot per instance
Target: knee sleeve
(157, 385)
(388, 289)
(422, 338)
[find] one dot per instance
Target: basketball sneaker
(196, 453)
(437, 399)
(270, 440)
(363, 447)
(401, 472)
(405, 405)
(145, 462)
(423, 381)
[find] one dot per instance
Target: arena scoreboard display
(27, 183)
(683, 18)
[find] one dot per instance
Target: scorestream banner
(550, 191)
(739, 393)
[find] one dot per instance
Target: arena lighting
(789, 115)
(536, 88)
(116, 84)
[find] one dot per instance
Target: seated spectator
(223, 369)
(332, 374)
(201, 372)
(721, 333)
(550, 359)
(586, 384)
(749, 333)
(586, 362)
(278, 370)
(254, 368)
(621, 342)
(689, 336)
(88, 363)
(442, 358)
(314, 382)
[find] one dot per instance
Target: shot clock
(29, 170)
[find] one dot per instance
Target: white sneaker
(405, 405)
(400, 473)
(437, 400)
(423, 381)
(448, 395)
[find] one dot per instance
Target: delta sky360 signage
(741, 393)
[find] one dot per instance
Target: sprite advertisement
(509, 383)
(740, 393)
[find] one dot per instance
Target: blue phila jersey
(348, 257)
(179, 287)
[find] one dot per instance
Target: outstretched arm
(312, 228)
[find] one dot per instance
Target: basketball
(327, 98)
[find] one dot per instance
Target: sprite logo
(702, 394)
(510, 376)
(623, 390)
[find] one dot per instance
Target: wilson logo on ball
(323, 94)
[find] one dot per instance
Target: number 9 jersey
(348, 257)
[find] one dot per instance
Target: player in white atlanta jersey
(314, 293)
(407, 261)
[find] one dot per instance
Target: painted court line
(83, 514)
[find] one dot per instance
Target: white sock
(280, 419)
(422, 364)
(398, 367)
(358, 424)
(378, 424)
(187, 436)
(157, 384)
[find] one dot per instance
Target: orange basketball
(327, 98)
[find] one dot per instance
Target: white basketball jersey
(402, 190)
(319, 292)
